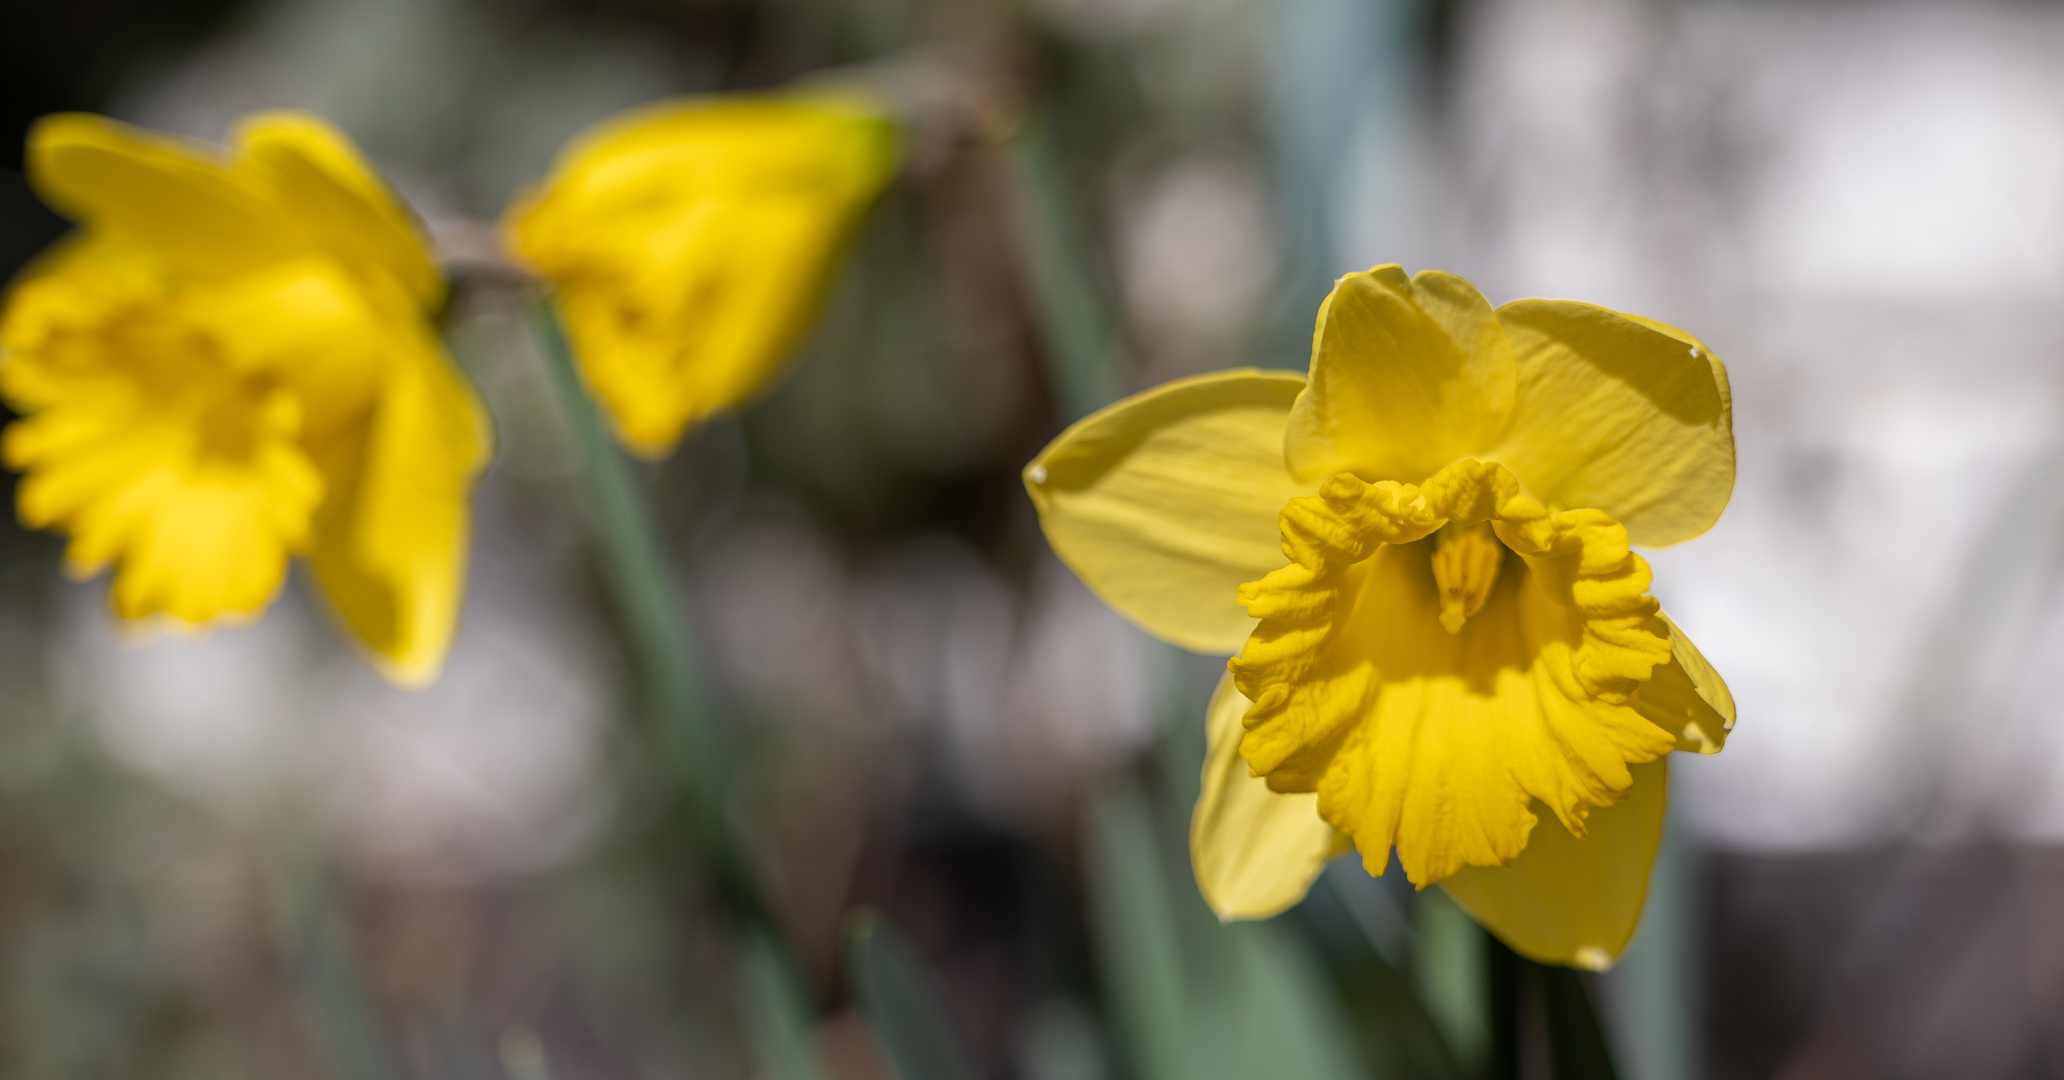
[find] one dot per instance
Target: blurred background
(243, 855)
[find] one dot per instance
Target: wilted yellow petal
(1436, 742)
(1255, 852)
(177, 199)
(1621, 414)
(1407, 375)
(1570, 901)
(1166, 502)
(336, 200)
(391, 543)
(691, 242)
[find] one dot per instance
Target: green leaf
(1191, 997)
(776, 1010)
(1651, 991)
(901, 1002)
(1138, 952)
(1364, 938)
(1067, 294)
(1287, 1020)
(1452, 970)
(1059, 1041)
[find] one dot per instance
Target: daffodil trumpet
(230, 363)
(1421, 555)
(690, 242)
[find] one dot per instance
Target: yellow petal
(1407, 375)
(1687, 697)
(709, 322)
(1570, 901)
(1255, 852)
(391, 544)
(174, 198)
(1621, 414)
(144, 447)
(691, 243)
(302, 324)
(1434, 742)
(1165, 502)
(741, 143)
(202, 544)
(339, 203)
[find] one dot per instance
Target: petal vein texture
(1256, 852)
(1166, 502)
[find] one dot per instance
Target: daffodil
(690, 243)
(1420, 554)
(230, 363)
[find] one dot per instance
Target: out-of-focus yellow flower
(691, 241)
(1460, 659)
(231, 362)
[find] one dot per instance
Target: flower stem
(642, 589)
(696, 746)
(345, 1020)
(1578, 1047)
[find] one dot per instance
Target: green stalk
(642, 588)
(1452, 967)
(1139, 950)
(1655, 987)
(347, 1026)
(902, 1002)
(768, 991)
(1577, 1044)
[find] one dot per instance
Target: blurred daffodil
(1460, 660)
(231, 362)
(690, 243)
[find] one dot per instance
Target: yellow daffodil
(232, 362)
(1421, 556)
(690, 243)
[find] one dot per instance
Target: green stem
(902, 1002)
(1655, 987)
(642, 588)
(1577, 1044)
(347, 1026)
(1454, 966)
(1138, 947)
(768, 990)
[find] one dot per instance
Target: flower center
(242, 416)
(1465, 566)
(176, 365)
(1437, 744)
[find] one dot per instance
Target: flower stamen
(1465, 566)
